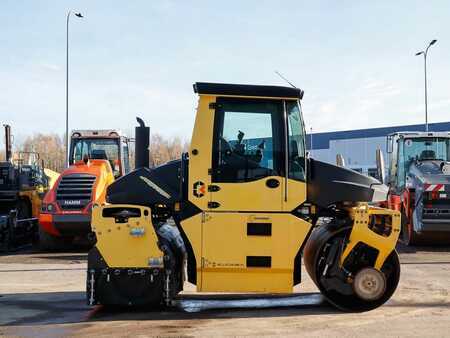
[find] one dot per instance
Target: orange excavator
(96, 159)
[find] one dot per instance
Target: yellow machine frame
(219, 236)
(384, 243)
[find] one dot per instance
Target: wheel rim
(369, 284)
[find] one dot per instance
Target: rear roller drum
(357, 286)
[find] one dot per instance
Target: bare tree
(50, 148)
(163, 150)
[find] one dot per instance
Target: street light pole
(79, 15)
(426, 89)
(425, 53)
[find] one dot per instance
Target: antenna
(290, 83)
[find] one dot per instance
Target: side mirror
(380, 165)
(340, 161)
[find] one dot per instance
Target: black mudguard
(329, 184)
(146, 186)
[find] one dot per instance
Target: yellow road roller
(239, 212)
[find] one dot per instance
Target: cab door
(249, 243)
(247, 156)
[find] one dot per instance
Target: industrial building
(358, 147)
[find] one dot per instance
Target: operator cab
(408, 147)
(248, 134)
(107, 145)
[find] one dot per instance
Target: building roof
(247, 90)
(322, 140)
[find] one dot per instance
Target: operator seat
(427, 155)
(228, 164)
(98, 154)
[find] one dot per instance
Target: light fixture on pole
(424, 53)
(79, 15)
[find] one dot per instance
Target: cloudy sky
(355, 60)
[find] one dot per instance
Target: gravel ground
(42, 295)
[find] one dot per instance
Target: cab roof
(247, 90)
(96, 133)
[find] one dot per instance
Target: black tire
(7, 242)
(407, 237)
(404, 233)
(341, 293)
(48, 242)
(23, 209)
(19, 234)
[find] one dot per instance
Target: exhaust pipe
(340, 161)
(380, 166)
(142, 145)
(8, 145)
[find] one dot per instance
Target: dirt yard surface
(42, 295)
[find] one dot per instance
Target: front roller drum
(122, 286)
(125, 287)
(357, 285)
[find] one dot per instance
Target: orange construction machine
(96, 159)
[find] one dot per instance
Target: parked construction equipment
(96, 158)
(419, 181)
(23, 183)
(240, 210)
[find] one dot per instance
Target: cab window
(296, 143)
(401, 165)
(97, 149)
(246, 140)
(80, 150)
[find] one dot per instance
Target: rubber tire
(23, 209)
(313, 253)
(48, 242)
(409, 238)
